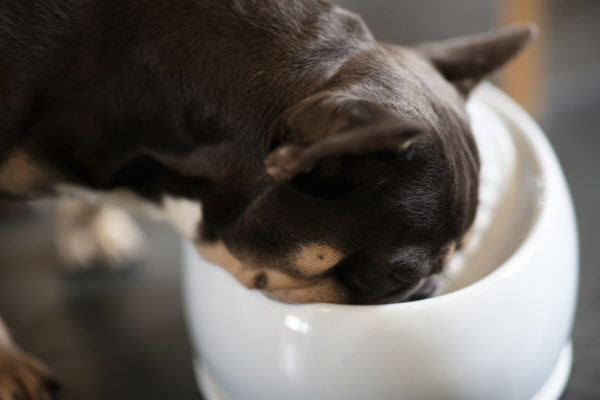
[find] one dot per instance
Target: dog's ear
(327, 126)
(466, 60)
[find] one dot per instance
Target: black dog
(329, 166)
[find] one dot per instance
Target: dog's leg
(21, 375)
(96, 234)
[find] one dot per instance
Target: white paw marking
(184, 215)
(118, 239)
(91, 234)
(92, 228)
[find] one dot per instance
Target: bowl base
(552, 388)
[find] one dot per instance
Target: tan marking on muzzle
(216, 253)
(246, 272)
(20, 175)
(274, 284)
(325, 290)
(314, 258)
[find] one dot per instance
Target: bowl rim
(547, 166)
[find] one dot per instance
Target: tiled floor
(122, 335)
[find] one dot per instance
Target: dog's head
(373, 180)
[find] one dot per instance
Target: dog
(309, 160)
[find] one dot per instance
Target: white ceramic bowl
(501, 330)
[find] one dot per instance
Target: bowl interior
(511, 195)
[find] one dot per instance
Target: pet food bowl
(500, 329)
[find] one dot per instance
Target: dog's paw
(118, 239)
(24, 378)
(107, 237)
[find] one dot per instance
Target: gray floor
(106, 335)
(572, 122)
(571, 136)
(122, 335)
